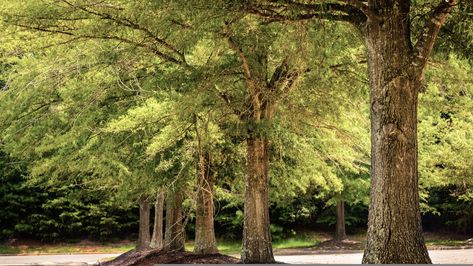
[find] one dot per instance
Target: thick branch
(429, 34)
(244, 62)
(294, 11)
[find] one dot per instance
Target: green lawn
(234, 247)
(67, 248)
(309, 239)
(444, 242)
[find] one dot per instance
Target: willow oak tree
(119, 22)
(396, 62)
(61, 112)
(268, 75)
(169, 125)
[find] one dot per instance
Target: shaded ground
(304, 242)
(151, 257)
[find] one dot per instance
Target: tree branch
(347, 11)
(130, 24)
(244, 61)
(107, 37)
(426, 40)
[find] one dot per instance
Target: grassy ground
(66, 248)
(234, 247)
(312, 240)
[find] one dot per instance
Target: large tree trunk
(144, 234)
(157, 239)
(174, 234)
(205, 242)
(257, 247)
(394, 224)
(340, 233)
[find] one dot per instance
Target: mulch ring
(345, 244)
(149, 257)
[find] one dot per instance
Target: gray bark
(174, 239)
(205, 242)
(340, 233)
(157, 239)
(144, 233)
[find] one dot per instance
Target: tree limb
(130, 24)
(426, 40)
(291, 11)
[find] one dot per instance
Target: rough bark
(157, 238)
(205, 242)
(394, 224)
(340, 233)
(257, 246)
(144, 233)
(174, 239)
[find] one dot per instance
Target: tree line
(177, 103)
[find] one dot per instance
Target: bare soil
(149, 257)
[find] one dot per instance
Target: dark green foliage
(453, 214)
(52, 213)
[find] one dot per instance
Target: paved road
(457, 256)
(69, 260)
(438, 256)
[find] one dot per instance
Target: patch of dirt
(345, 244)
(330, 246)
(149, 257)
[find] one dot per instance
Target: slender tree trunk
(394, 226)
(144, 234)
(340, 233)
(174, 234)
(257, 246)
(157, 239)
(205, 242)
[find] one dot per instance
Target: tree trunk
(174, 234)
(340, 233)
(205, 242)
(144, 234)
(157, 239)
(257, 247)
(394, 224)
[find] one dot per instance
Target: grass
(67, 248)
(444, 242)
(234, 247)
(224, 247)
(296, 242)
(6, 249)
(307, 239)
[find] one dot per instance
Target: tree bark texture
(205, 242)
(340, 233)
(394, 224)
(257, 245)
(174, 239)
(144, 233)
(157, 238)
